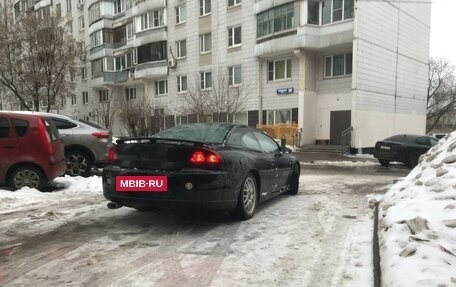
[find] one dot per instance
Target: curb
(376, 251)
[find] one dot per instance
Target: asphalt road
(298, 240)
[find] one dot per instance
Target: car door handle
(9, 146)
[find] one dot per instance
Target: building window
(181, 49)
(58, 9)
(119, 6)
(338, 65)
(234, 3)
(97, 68)
(96, 38)
(205, 7)
(161, 88)
(240, 118)
(103, 95)
(313, 12)
(152, 52)
(181, 14)
(206, 80)
(279, 70)
(234, 75)
(85, 98)
(234, 36)
(94, 12)
(81, 23)
(83, 73)
(152, 19)
(120, 34)
(73, 100)
(68, 4)
(181, 120)
(205, 43)
(336, 10)
(181, 84)
(130, 30)
(275, 117)
(130, 94)
(276, 19)
(70, 27)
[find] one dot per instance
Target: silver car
(85, 144)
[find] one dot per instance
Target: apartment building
(328, 65)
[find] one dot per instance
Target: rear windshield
(53, 132)
(206, 133)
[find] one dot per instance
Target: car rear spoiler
(131, 140)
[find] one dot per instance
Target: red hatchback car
(31, 151)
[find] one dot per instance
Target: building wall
(389, 41)
(391, 52)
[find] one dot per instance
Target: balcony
(114, 78)
(308, 37)
(152, 70)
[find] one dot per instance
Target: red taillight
(112, 154)
(101, 135)
(44, 135)
(198, 157)
(205, 157)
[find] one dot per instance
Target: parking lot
(321, 237)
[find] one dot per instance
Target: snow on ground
(70, 185)
(347, 163)
(417, 230)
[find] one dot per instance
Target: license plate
(149, 183)
(385, 147)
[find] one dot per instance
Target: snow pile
(67, 187)
(417, 227)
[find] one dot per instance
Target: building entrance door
(340, 121)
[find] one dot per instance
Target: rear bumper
(388, 155)
(211, 189)
(55, 169)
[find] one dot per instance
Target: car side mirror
(286, 150)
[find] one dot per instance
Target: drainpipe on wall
(260, 92)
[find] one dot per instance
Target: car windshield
(207, 133)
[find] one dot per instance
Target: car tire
(384, 162)
(78, 163)
(294, 180)
(412, 160)
(247, 199)
(27, 176)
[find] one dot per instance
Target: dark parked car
(221, 166)
(31, 151)
(403, 148)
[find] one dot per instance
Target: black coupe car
(217, 165)
(403, 148)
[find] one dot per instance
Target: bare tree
(220, 102)
(37, 58)
(135, 117)
(441, 94)
(105, 112)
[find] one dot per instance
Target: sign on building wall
(285, 91)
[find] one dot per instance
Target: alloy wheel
(77, 164)
(249, 196)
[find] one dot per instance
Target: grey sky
(443, 25)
